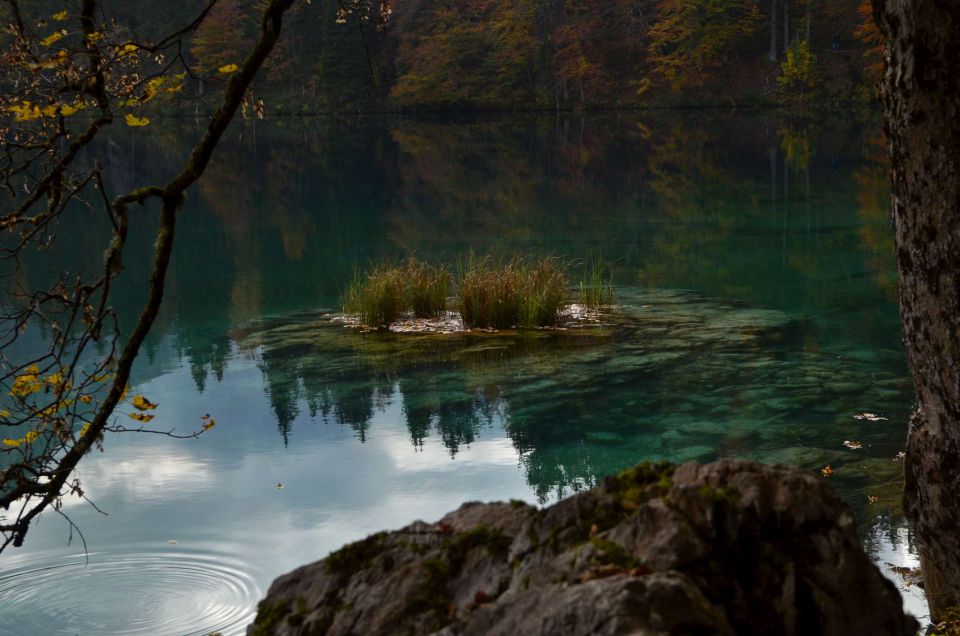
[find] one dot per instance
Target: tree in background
(221, 39)
(921, 97)
(480, 52)
(868, 32)
(797, 78)
(692, 39)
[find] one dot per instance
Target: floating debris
(872, 499)
(853, 444)
(870, 417)
(827, 471)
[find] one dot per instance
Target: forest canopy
(543, 54)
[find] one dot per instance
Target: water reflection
(755, 273)
(675, 375)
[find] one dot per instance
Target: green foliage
(596, 285)
(354, 556)
(378, 297)
(797, 73)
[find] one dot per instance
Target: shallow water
(756, 319)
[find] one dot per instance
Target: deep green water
(754, 269)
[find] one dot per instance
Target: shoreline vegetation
(477, 293)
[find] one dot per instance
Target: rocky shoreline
(730, 547)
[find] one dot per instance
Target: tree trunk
(773, 30)
(786, 26)
(921, 96)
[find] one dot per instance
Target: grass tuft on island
(522, 292)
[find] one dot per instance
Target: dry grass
(521, 292)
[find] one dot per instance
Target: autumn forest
(536, 54)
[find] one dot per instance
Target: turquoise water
(756, 318)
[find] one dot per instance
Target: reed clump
(521, 292)
(378, 296)
(596, 285)
(427, 288)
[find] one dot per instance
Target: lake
(753, 264)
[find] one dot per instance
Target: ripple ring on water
(173, 592)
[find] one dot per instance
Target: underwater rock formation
(730, 547)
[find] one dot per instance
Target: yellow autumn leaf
(84, 429)
(134, 121)
(86, 399)
(24, 385)
(210, 423)
(143, 404)
(26, 439)
(141, 417)
(4, 413)
(229, 68)
(127, 49)
(25, 111)
(56, 36)
(59, 58)
(60, 16)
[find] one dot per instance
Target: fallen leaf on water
(899, 456)
(870, 417)
(852, 444)
(872, 499)
(827, 471)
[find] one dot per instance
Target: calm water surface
(755, 277)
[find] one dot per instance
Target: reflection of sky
(219, 495)
(220, 492)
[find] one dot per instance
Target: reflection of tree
(694, 201)
(873, 207)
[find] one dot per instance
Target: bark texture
(921, 95)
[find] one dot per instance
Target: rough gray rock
(730, 547)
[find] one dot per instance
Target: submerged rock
(729, 547)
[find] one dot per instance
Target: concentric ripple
(157, 593)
